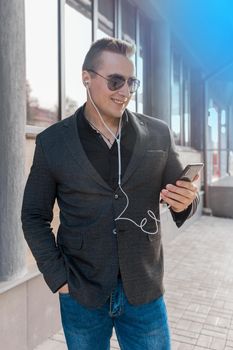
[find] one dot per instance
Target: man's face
(111, 104)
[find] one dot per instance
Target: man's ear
(86, 78)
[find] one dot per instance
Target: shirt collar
(125, 117)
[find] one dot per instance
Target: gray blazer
(91, 246)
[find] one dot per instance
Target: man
(108, 169)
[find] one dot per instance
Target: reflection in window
(41, 62)
(105, 18)
(78, 39)
(129, 34)
(175, 99)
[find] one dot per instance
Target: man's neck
(93, 117)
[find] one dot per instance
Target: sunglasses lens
(133, 85)
(116, 82)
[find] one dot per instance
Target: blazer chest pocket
(154, 156)
(156, 153)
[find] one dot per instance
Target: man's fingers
(188, 192)
(179, 197)
(176, 206)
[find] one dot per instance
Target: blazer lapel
(139, 147)
(72, 140)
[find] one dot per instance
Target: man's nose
(125, 90)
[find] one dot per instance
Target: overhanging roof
(205, 28)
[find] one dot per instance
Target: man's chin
(114, 114)
(120, 113)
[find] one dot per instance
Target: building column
(161, 71)
(12, 137)
(197, 110)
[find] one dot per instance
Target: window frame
(182, 85)
(33, 130)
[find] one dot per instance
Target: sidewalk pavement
(199, 288)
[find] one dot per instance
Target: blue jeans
(143, 327)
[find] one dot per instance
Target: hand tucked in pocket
(64, 289)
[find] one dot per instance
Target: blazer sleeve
(37, 214)
(171, 174)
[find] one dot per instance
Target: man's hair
(93, 56)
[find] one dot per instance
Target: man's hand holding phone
(180, 195)
(183, 193)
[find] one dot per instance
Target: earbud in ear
(86, 82)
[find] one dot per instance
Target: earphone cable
(150, 213)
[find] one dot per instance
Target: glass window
(223, 143)
(78, 38)
(223, 130)
(142, 49)
(129, 34)
(175, 99)
(186, 107)
(41, 62)
(105, 18)
(213, 144)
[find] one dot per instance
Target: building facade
(43, 44)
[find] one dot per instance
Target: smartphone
(190, 171)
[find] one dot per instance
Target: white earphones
(150, 213)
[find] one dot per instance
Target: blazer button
(116, 196)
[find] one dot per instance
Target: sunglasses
(117, 81)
